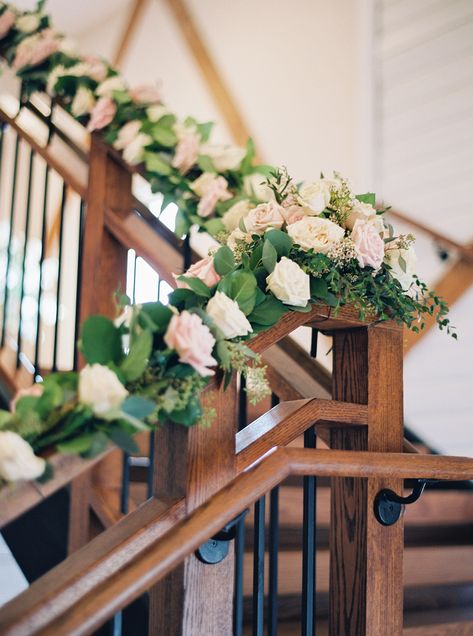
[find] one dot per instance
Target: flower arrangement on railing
(284, 248)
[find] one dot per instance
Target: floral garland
(284, 248)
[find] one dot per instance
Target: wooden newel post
(195, 463)
(366, 588)
(103, 271)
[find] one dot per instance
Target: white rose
(228, 316)
(223, 157)
(255, 186)
(17, 459)
(154, 113)
(265, 216)
(289, 283)
(83, 102)
(316, 195)
(405, 275)
(202, 183)
(100, 389)
(232, 217)
(316, 233)
(28, 23)
(364, 212)
(132, 142)
(108, 86)
(127, 134)
(237, 235)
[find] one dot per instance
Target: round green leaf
(100, 341)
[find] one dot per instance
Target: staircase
(299, 558)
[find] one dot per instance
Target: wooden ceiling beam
(131, 25)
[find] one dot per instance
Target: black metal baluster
(25, 250)
(41, 259)
(242, 405)
(152, 439)
(187, 252)
(258, 568)
(78, 281)
(309, 545)
(239, 565)
(59, 271)
(10, 237)
(313, 342)
(273, 562)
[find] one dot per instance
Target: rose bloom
(35, 49)
(17, 459)
(145, 94)
(313, 232)
(193, 342)
(211, 189)
(237, 235)
(364, 212)
(392, 256)
(204, 270)
(127, 134)
(224, 157)
(100, 388)
(132, 142)
(28, 22)
(316, 195)
(228, 316)
(265, 216)
(187, 151)
(83, 102)
(111, 84)
(369, 245)
(232, 217)
(102, 114)
(7, 20)
(289, 283)
(36, 390)
(95, 68)
(293, 213)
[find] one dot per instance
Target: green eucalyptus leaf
(136, 361)
(214, 226)
(189, 415)
(368, 197)
(268, 312)
(138, 407)
(159, 314)
(197, 286)
(205, 130)
(223, 354)
(79, 444)
(224, 261)
(183, 225)
(280, 240)
(270, 256)
(318, 288)
(100, 341)
(164, 135)
(155, 162)
(240, 286)
(205, 164)
(123, 440)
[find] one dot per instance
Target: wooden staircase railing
(204, 477)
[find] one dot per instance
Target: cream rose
(255, 186)
(100, 388)
(204, 270)
(193, 342)
(154, 113)
(294, 213)
(316, 195)
(83, 102)
(223, 157)
(315, 233)
(289, 283)
(228, 316)
(28, 22)
(132, 142)
(405, 275)
(364, 212)
(17, 459)
(236, 236)
(111, 84)
(369, 245)
(264, 217)
(232, 217)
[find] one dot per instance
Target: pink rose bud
(7, 20)
(145, 94)
(102, 114)
(368, 244)
(187, 151)
(204, 270)
(193, 342)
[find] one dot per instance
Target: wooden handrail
(68, 603)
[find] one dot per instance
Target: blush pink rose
(36, 48)
(204, 270)
(187, 151)
(293, 213)
(7, 20)
(36, 390)
(145, 94)
(368, 244)
(216, 191)
(97, 70)
(265, 216)
(102, 114)
(193, 342)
